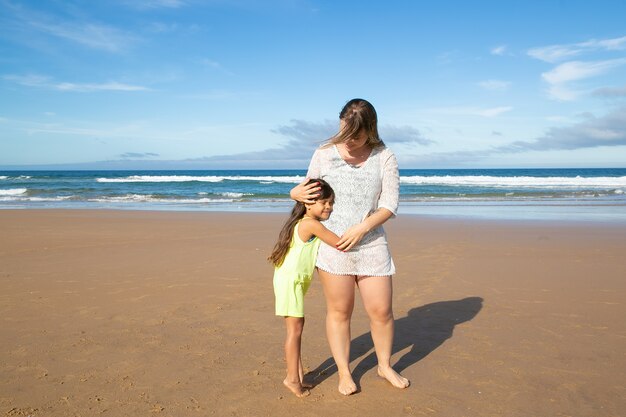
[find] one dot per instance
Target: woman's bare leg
(376, 293)
(339, 294)
(293, 344)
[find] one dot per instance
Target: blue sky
(259, 84)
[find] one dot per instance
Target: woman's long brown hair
(358, 116)
(297, 212)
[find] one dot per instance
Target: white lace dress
(359, 191)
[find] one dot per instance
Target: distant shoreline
(590, 194)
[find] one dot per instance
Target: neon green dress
(293, 278)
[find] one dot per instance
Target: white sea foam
(21, 177)
(128, 198)
(14, 191)
(268, 179)
(206, 178)
(234, 195)
(162, 178)
(477, 180)
(34, 199)
(148, 198)
(59, 198)
(202, 200)
(521, 182)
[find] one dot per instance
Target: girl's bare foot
(296, 388)
(304, 384)
(346, 384)
(393, 377)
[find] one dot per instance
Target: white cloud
(499, 50)
(608, 130)
(403, 134)
(160, 27)
(88, 34)
(39, 81)
(447, 57)
(215, 65)
(563, 93)
(29, 80)
(591, 132)
(577, 70)
(494, 85)
(471, 111)
(556, 53)
(138, 155)
(615, 44)
(493, 112)
(610, 92)
(558, 119)
(303, 138)
(560, 76)
(109, 86)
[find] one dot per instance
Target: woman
(364, 175)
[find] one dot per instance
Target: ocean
(565, 194)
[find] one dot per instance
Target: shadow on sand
(424, 329)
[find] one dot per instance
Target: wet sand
(166, 313)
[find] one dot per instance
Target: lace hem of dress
(356, 274)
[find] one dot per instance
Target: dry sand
(125, 313)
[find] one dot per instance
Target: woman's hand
(305, 193)
(352, 236)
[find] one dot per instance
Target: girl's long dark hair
(297, 212)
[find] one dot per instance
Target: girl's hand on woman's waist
(352, 237)
(354, 234)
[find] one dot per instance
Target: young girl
(294, 259)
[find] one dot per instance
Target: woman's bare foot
(393, 377)
(346, 384)
(296, 388)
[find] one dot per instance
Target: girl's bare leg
(301, 373)
(293, 343)
(376, 293)
(339, 294)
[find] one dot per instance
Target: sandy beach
(124, 313)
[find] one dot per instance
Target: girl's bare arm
(312, 227)
(354, 234)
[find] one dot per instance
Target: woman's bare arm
(354, 234)
(305, 193)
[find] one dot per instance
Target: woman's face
(356, 142)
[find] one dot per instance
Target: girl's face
(321, 209)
